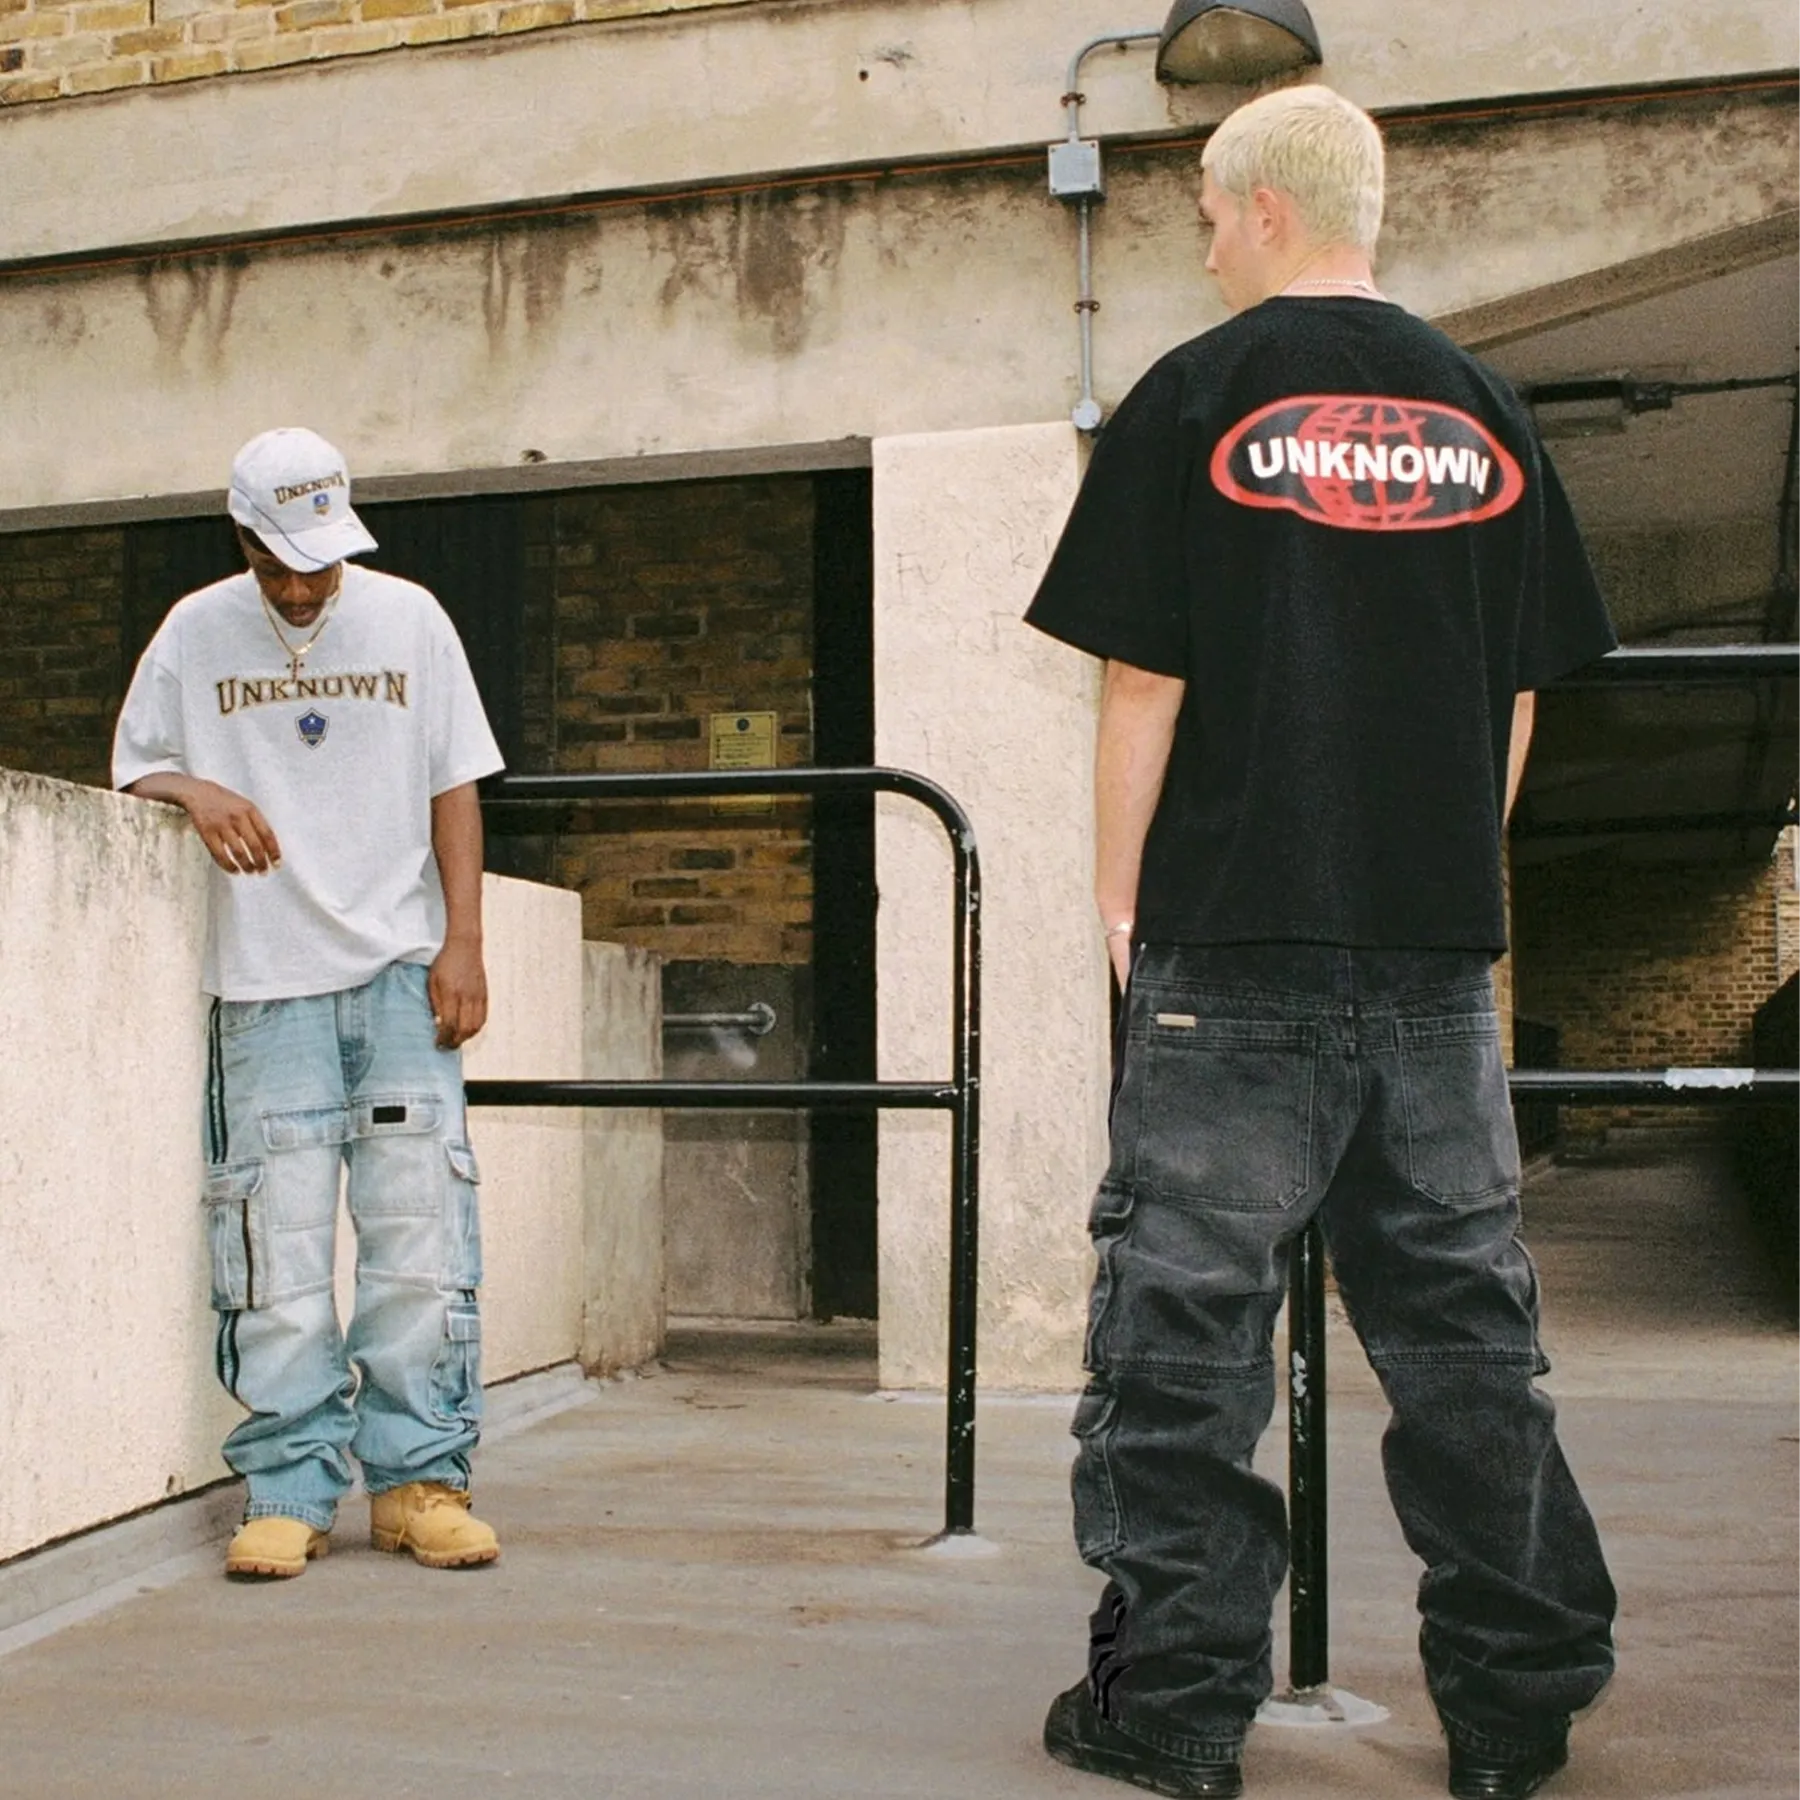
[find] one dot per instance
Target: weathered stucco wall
(531, 1159)
(880, 307)
(731, 93)
(622, 1292)
(1003, 718)
(106, 1379)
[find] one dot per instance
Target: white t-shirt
(343, 762)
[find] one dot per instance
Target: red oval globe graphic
(1366, 462)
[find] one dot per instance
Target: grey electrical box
(1075, 171)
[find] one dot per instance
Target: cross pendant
(294, 671)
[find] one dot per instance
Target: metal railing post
(1309, 1602)
(1309, 1613)
(965, 1156)
(960, 1097)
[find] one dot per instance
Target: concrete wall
(1687, 576)
(106, 1382)
(532, 1225)
(623, 1290)
(788, 85)
(69, 48)
(1004, 719)
(542, 350)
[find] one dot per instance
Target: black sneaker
(1481, 1775)
(1074, 1733)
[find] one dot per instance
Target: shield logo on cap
(312, 726)
(321, 504)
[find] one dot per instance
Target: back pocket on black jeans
(1461, 1144)
(1227, 1114)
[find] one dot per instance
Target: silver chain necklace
(1336, 281)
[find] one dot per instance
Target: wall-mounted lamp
(1235, 42)
(1221, 42)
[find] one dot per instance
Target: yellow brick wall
(1642, 967)
(1646, 967)
(61, 677)
(672, 604)
(1787, 907)
(56, 49)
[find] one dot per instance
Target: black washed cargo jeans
(1259, 1085)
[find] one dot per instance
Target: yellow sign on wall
(743, 740)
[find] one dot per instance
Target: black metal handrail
(960, 1096)
(1633, 1087)
(1684, 665)
(1308, 1601)
(1309, 1608)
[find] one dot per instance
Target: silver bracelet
(1124, 928)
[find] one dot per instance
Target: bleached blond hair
(1316, 147)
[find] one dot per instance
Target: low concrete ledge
(47, 1590)
(106, 1383)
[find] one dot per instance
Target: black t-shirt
(1342, 532)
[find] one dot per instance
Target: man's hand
(1524, 721)
(232, 829)
(1118, 947)
(457, 987)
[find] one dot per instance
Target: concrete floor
(711, 1583)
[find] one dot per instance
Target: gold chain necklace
(296, 653)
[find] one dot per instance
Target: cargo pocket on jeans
(456, 1375)
(1107, 1222)
(396, 1138)
(1099, 1524)
(463, 1218)
(231, 1232)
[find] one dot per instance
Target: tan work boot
(275, 1549)
(431, 1522)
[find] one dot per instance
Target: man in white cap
(319, 724)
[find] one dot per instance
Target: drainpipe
(1076, 177)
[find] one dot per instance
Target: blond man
(1326, 563)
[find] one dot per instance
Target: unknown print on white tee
(343, 761)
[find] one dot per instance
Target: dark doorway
(843, 1161)
(470, 553)
(163, 561)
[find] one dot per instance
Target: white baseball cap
(293, 490)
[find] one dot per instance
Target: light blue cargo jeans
(298, 1090)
